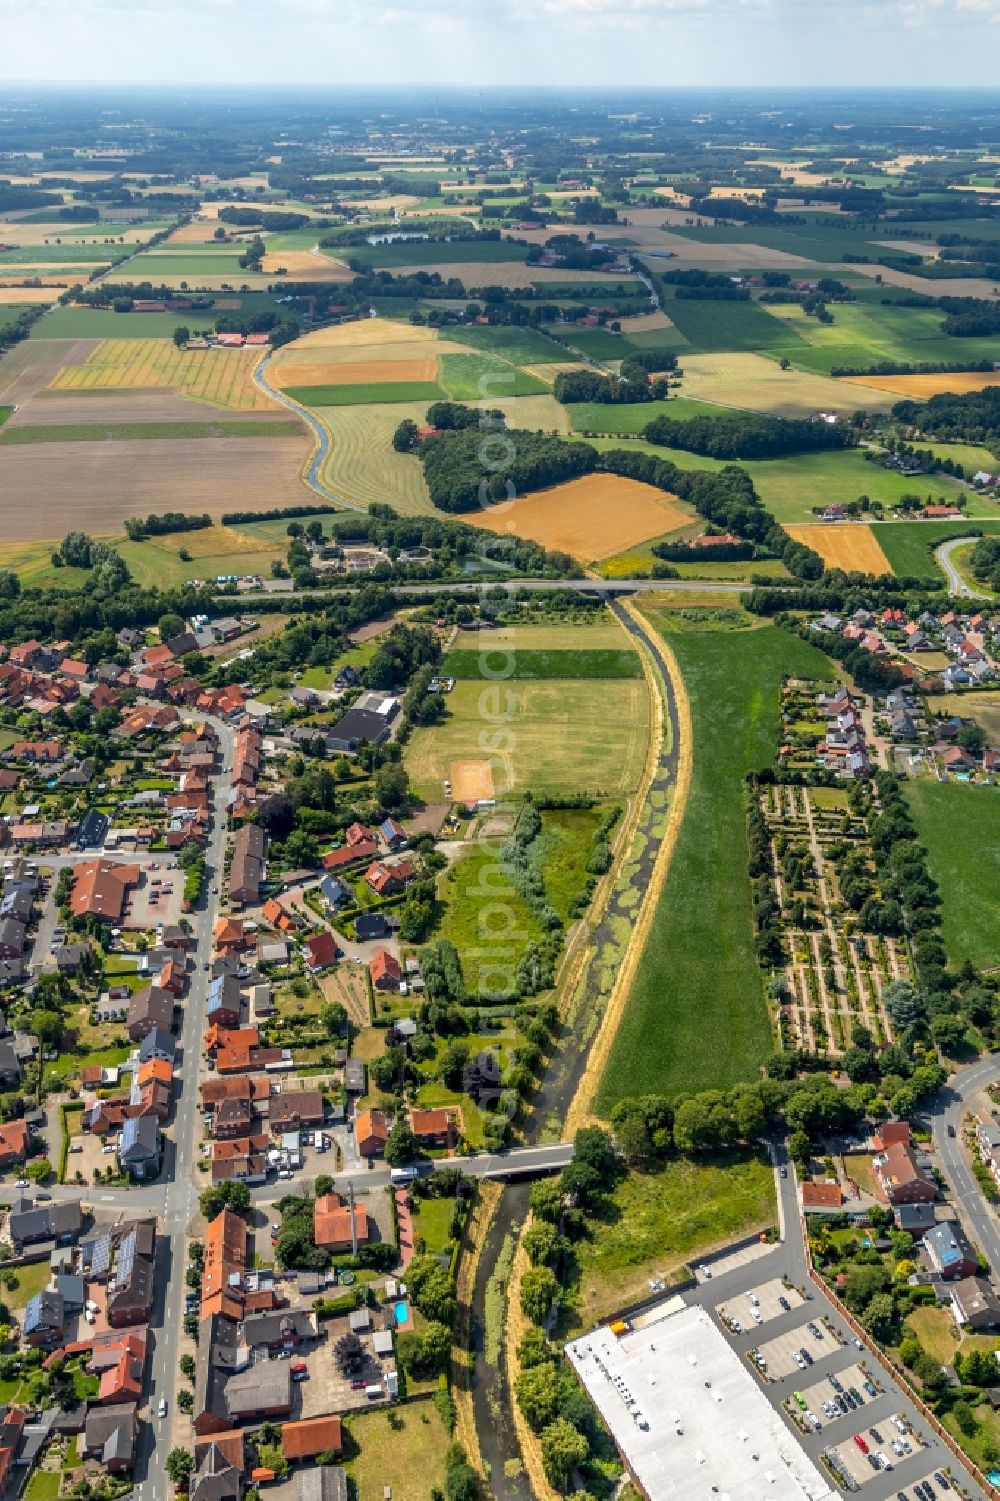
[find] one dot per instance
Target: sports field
(696, 1017)
(551, 737)
(854, 548)
(591, 517)
(960, 828)
(221, 377)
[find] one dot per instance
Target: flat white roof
(712, 1435)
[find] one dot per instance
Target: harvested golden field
(945, 286)
(760, 385)
(645, 322)
(10, 293)
(48, 279)
(303, 265)
(854, 548)
(354, 372)
(363, 333)
(221, 377)
(312, 356)
(16, 233)
(548, 371)
(212, 542)
(94, 486)
(363, 466)
(920, 387)
(537, 413)
(591, 518)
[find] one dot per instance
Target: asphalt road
(949, 1108)
(609, 587)
(956, 583)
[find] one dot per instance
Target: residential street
(950, 1106)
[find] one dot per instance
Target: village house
(371, 1132)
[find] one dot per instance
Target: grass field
(482, 665)
(521, 346)
(854, 548)
(97, 432)
(691, 1024)
(960, 828)
(548, 737)
(591, 517)
(484, 377)
(660, 1220)
(598, 343)
(709, 325)
(372, 393)
(909, 545)
(404, 1457)
(630, 417)
(983, 707)
(222, 377)
(433, 252)
(104, 323)
(863, 333)
(471, 891)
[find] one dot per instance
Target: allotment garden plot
(834, 972)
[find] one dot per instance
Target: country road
(956, 583)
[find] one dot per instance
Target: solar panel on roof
(126, 1258)
(102, 1256)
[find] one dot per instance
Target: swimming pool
(401, 1312)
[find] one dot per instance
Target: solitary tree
(181, 335)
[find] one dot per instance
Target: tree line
(746, 435)
(973, 416)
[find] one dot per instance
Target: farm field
(521, 346)
(688, 1025)
(852, 547)
(214, 550)
(221, 377)
(659, 1220)
(909, 545)
(759, 384)
(96, 432)
(104, 323)
(427, 253)
(363, 333)
(584, 736)
(11, 294)
(287, 375)
(708, 325)
(374, 393)
(479, 665)
(920, 387)
(484, 377)
(591, 517)
(305, 265)
(92, 486)
(960, 828)
(362, 466)
(864, 333)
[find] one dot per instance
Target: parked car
(784, 1304)
(862, 1445)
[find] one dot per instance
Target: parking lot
(783, 1354)
(159, 897)
(870, 1452)
(774, 1298)
(842, 1389)
(326, 1389)
(930, 1487)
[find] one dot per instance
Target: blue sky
(646, 42)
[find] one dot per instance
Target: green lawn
(521, 346)
(484, 377)
(696, 1017)
(960, 827)
(404, 1458)
(478, 895)
(99, 432)
(31, 1279)
(369, 394)
(43, 1485)
(432, 1219)
(661, 1219)
(609, 663)
(909, 545)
